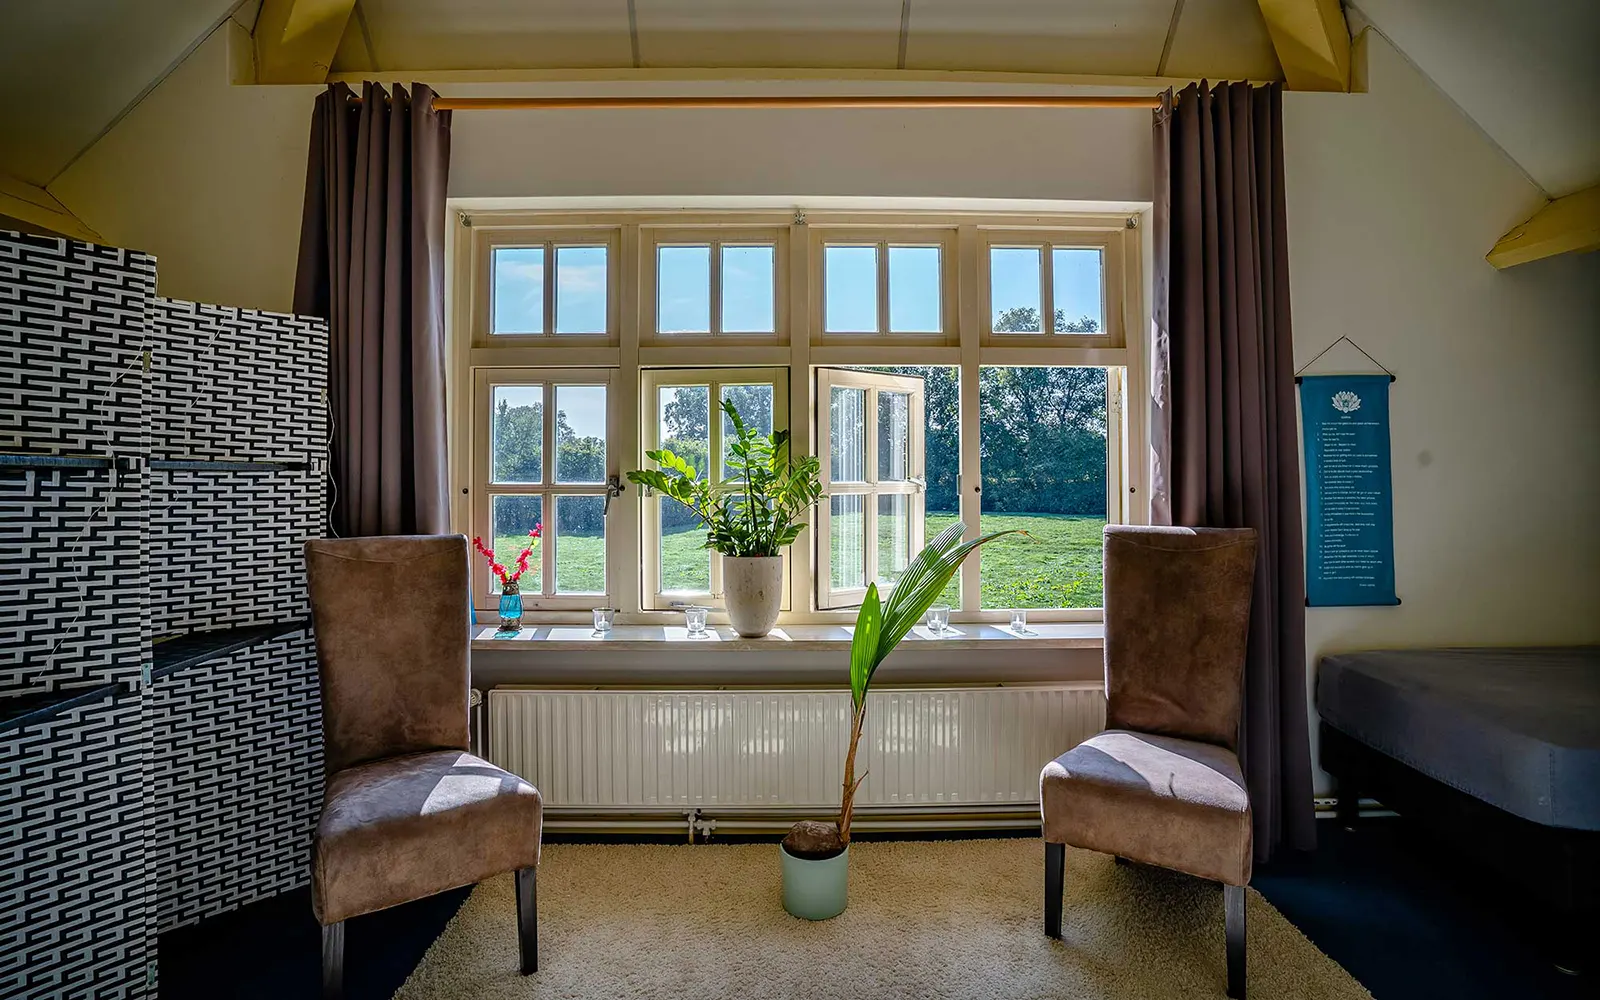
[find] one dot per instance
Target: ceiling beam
(1312, 42)
(295, 39)
(1566, 225)
(37, 208)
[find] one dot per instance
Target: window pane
(580, 433)
(941, 453)
(685, 562)
(516, 433)
(894, 537)
(748, 302)
(754, 403)
(685, 412)
(683, 289)
(850, 289)
(847, 528)
(1044, 469)
(914, 290)
(581, 290)
(1077, 288)
(847, 435)
(510, 520)
(580, 545)
(518, 305)
(1014, 289)
(894, 436)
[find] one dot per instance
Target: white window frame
(632, 348)
(651, 382)
(487, 240)
(943, 237)
(1114, 333)
(542, 597)
(914, 486)
(715, 238)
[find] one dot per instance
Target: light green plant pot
(815, 890)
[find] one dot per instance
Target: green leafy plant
(758, 508)
(881, 625)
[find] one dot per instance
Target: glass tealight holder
(603, 617)
(938, 618)
(695, 618)
(1019, 622)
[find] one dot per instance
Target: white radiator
(925, 749)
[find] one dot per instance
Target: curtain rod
(919, 101)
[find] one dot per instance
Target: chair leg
(528, 918)
(333, 961)
(1055, 864)
(1233, 929)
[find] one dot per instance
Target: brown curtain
(372, 264)
(1223, 426)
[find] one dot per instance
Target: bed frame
(1558, 868)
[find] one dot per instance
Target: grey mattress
(1517, 728)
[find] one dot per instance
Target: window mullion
(883, 287)
(970, 501)
(547, 557)
(714, 270)
(1047, 291)
(549, 278)
(869, 502)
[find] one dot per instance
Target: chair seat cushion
(1155, 799)
(402, 828)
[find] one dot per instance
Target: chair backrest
(390, 616)
(1177, 604)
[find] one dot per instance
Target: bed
(1495, 750)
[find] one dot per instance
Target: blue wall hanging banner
(1349, 490)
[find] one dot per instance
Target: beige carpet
(952, 919)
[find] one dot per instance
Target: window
(547, 285)
(874, 481)
(874, 283)
(716, 283)
(543, 463)
(1041, 286)
(682, 412)
(941, 367)
(1046, 449)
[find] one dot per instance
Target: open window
(681, 411)
(874, 479)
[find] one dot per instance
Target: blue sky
(850, 303)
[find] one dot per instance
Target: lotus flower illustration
(1346, 401)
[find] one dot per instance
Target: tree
(1025, 319)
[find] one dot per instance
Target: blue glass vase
(510, 606)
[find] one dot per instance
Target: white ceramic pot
(752, 586)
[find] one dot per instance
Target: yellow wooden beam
(295, 39)
(1566, 225)
(39, 211)
(1312, 42)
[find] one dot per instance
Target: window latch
(919, 483)
(614, 488)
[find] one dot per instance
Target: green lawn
(1059, 568)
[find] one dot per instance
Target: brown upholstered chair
(1162, 784)
(407, 812)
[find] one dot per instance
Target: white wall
(1394, 197)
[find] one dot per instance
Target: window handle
(614, 488)
(920, 483)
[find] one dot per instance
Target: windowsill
(799, 638)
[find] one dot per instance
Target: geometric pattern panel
(237, 779)
(72, 581)
(236, 384)
(73, 908)
(226, 547)
(72, 331)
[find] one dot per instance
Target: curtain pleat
(372, 263)
(1224, 437)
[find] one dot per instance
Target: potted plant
(816, 855)
(750, 515)
(510, 582)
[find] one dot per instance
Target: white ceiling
(69, 67)
(1527, 71)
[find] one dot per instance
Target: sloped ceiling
(1527, 71)
(1524, 70)
(68, 68)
